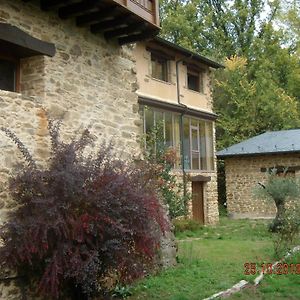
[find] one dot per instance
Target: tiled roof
(266, 143)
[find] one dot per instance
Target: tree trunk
(280, 215)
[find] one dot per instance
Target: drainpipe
(181, 125)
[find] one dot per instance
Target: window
(198, 144)
(9, 75)
(195, 80)
(159, 67)
(198, 148)
(168, 122)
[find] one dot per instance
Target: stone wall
(242, 176)
(90, 80)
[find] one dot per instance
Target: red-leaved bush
(80, 219)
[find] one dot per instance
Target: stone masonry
(242, 177)
(90, 82)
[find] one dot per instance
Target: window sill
(10, 92)
(195, 92)
(193, 171)
(161, 81)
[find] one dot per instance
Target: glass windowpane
(186, 143)
(168, 129)
(210, 143)
(7, 75)
(177, 144)
(203, 156)
(195, 161)
(195, 139)
(149, 119)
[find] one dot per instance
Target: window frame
(156, 58)
(199, 74)
(17, 75)
(208, 143)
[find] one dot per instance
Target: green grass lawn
(275, 286)
(212, 259)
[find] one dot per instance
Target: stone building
(247, 164)
(175, 89)
(84, 61)
(66, 57)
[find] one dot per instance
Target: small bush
(185, 224)
(163, 159)
(80, 220)
(285, 192)
(288, 232)
(279, 189)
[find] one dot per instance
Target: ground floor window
(197, 134)
(9, 74)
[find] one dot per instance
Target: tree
(250, 101)
(219, 28)
(279, 189)
(260, 86)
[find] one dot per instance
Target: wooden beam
(22, 44)
(76, 8)
(200, 178)
(137, 37)
(281, 169)
(176, 108)
(95, 16)
(119, 20)
(49, 4)
(130, 29)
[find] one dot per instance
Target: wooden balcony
(127, 21)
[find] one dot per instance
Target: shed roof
(271, 142)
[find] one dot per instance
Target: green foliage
(278, 188)
(252, 97)
(284, 191)
(164, 158)
(218, 28)
(80, 220)
(209, 265)
(260, 86)
(121, 292)
(221, 181)
(289, 231)
(184, 224)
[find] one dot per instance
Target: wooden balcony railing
(125, 20)
(147, 9)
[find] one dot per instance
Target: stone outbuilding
(97, 65)
(247, 164)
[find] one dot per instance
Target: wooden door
(197, 201)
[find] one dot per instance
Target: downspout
(181, 126)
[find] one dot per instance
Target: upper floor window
(9, 74)
(195, 80)
(159, 67)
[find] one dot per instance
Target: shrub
(163, 159)
(285, 192)
(81, 219)
(184, 224)
(288, 232)
(279, 189)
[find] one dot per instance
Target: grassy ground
(212, 259)
(275, 286)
